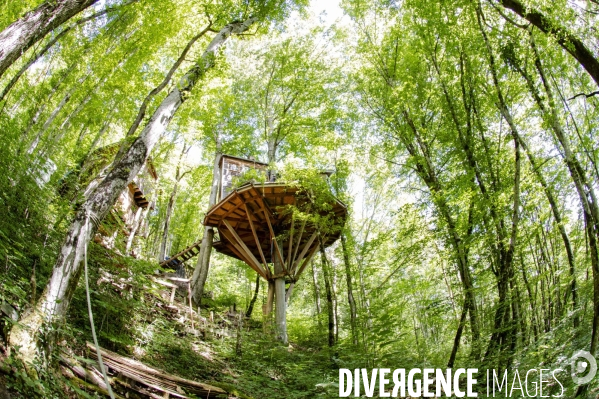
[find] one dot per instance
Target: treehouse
(275, 228)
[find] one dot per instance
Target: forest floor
(134, 318)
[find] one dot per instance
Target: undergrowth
(132, 318)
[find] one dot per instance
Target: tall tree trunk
(329, 293)
(137, 221)
(16, 38)
(167, 221)
(316, 293)
(51, 43)
(54, 302)
(549, 193)
(248, 313)
(418, 150)
(171, 204)
(200, 273)
(458, 336)
(350, 291)
(584, 189)
(561, 34)
(503, 335)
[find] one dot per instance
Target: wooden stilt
(304, 250)
(173, 290)
(289, 292)
(190, 307)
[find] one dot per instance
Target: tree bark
(316, 293)
(503, 335)
(458, 336)
(562, 35)
(171, 205)
(200, 273)
(329, 294)
(54, 302)
(35, 25)
(52, 42)
(350, 292)
(248, 313)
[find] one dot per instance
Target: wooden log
(156, 379)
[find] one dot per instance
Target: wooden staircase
(182, 256)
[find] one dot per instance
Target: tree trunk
(167, 220)
(134, 226)
(51, 43)
(200, 273)
(253, 301)
(350, 292)
(171, 204)
(54, 302)
(328, 289)
(35, 25)
(458, 336)
(316, 293)
(564, 38)
(584, 189)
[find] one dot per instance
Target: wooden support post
(289, 257)
(174, 289)
(289, 292)
(281, 304)
(190, 307)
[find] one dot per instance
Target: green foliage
(251, 175)
(315, 198)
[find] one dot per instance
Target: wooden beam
(299, 240)
(257, 240)
(289, 291)
(247, 250)
(306, 261)
(304, 250)
(289, 258)
(272, 232)
(237, 250)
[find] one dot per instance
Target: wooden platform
(249, 219)
(182, 256)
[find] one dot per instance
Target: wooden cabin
(234, 167)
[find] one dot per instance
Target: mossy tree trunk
(55, 299)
